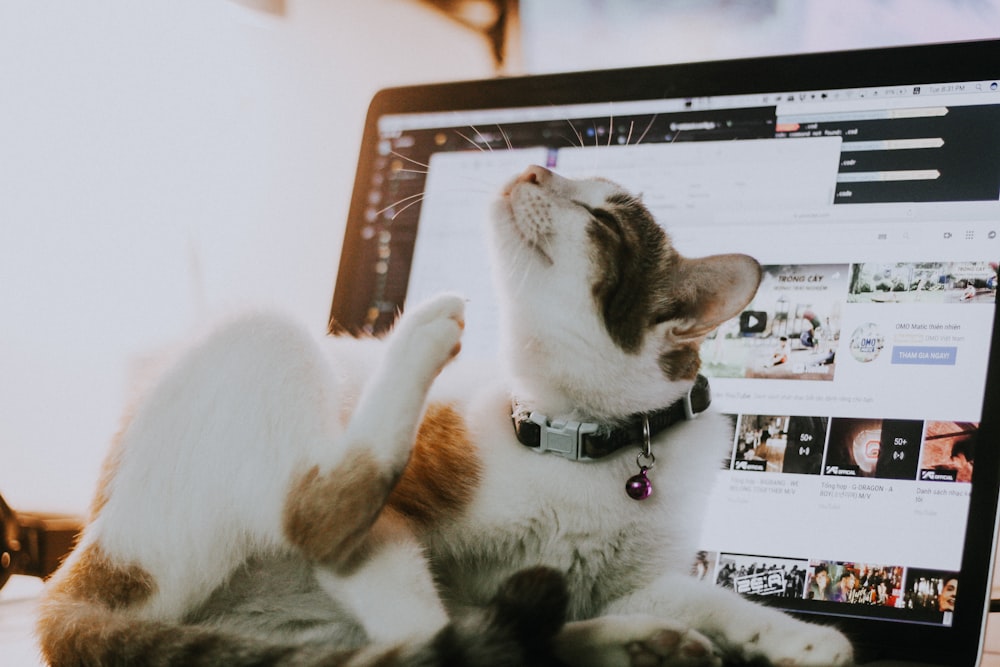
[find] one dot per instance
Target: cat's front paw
(634, 641)
(797, 644)
(430, 334)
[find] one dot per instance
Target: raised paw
(634, 641)
(430, 335)
(442, 306)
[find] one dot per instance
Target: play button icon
(753, 321)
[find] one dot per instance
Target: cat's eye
(606, 219)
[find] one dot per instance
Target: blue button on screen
(924, 355)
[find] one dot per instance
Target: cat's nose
(534, 174)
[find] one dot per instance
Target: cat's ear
(712, 290)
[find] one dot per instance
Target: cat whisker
(649, 126)
(484, 139)
(631, 126)
(485, 189)
(412, 199)
(472, 142)
(415, 201)
(409, 159)
(506, 139)
(518, 275)
(579, 137)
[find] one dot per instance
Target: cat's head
(603, 316)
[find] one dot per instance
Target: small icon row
(969, 235)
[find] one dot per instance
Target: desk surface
(17, 613)
(17, 608)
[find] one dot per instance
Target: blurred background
(164, 160)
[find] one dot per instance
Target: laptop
(864, 378)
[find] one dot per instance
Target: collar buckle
(587, 441)
(698, 398)
(562, 437)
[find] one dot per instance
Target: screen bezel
(959, 644)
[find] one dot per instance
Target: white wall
(568, 35)
(160, 159)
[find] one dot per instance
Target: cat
(274, 500)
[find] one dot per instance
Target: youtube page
(854, 378)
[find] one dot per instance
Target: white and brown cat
(274, 500)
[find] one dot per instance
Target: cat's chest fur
(530, 508)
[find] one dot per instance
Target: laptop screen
(868, 186)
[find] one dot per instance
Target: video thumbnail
(762, 575)
(883, 448)
(931, 590)
(923, 282)
(789, 331)
(856, 583)
(770, 443)
(949, 451)
(704, 565)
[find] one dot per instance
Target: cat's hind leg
(237, 450)
(387, 588)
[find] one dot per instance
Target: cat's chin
(560, 388)
(512, 235)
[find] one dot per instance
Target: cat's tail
(515, 630)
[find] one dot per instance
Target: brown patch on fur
(78, 609)
(681, 363)
(337, 518)
(65, 628)
(444, 470)
(96, 578)
(328, 515)
(389, 527)
(82, 634)
(632, 258)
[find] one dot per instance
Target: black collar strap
(587, 441)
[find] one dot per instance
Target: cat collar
(589, 441)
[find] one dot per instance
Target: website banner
(859, 340)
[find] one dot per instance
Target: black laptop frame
(955, 645)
